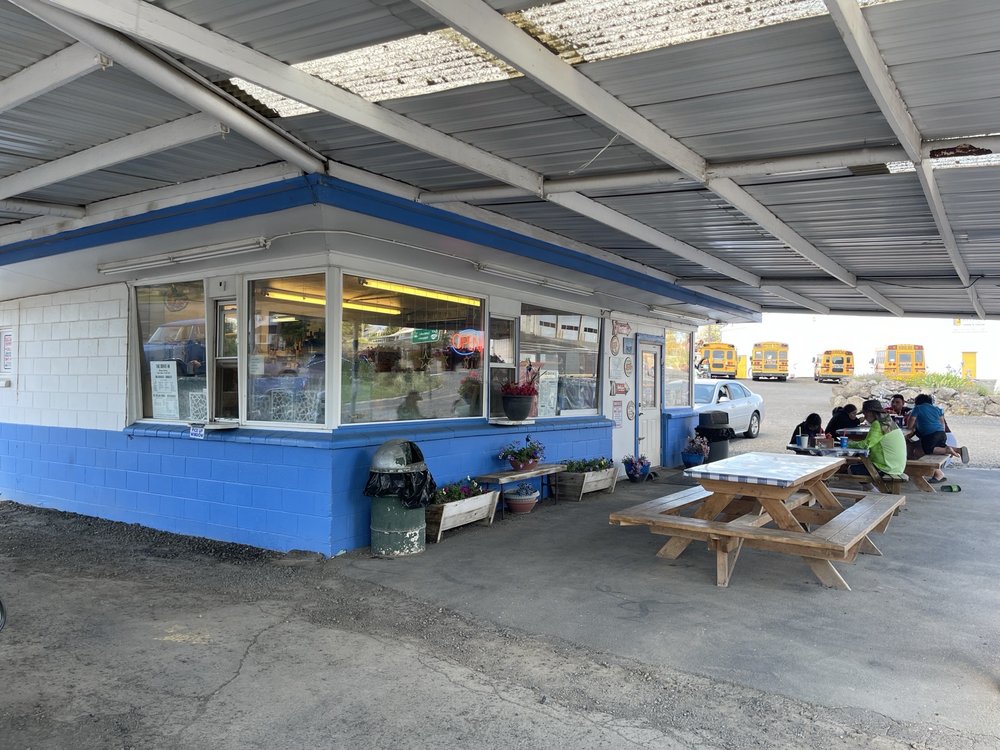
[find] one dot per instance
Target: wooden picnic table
(740, 498)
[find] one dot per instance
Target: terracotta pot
(521, 503)
(522, 465)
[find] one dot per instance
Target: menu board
(166, 405)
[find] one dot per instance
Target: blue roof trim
(402, 211)
(241, 204)
(311, 189)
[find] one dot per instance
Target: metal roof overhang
(745, 172)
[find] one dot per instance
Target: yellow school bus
(900, 361)
(718, 360)
(769, 359)
(833, 365)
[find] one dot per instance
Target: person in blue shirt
(927, 421)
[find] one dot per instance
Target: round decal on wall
(630, 410)
(616, 346)
(628, 367)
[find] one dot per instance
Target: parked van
(718, 360)
(833, 365)
(769, 359)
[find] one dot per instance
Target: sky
(944, 339)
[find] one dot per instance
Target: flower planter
(636, 473)
(692, 459)
(573, 485)
(444, 516)
(520, 503)
(522, 465)
(517, 408)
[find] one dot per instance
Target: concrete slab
(916, 639)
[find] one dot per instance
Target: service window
(409, 352)
(565, 348)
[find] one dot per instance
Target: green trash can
(400, 487)
(396, 529)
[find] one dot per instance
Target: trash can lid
(713, 418)
(398, 457)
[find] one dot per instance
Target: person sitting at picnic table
(885, 442)
(812, 428)
(844, 418)
(898, 409)
(927, 422)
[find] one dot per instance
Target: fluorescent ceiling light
(371, 308)
(220, 250)
(293, 297)
(283, 319)
(531, 278)
(389, 286)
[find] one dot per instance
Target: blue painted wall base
(277, 490)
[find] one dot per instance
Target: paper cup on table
(803, 441)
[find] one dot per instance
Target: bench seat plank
(659, 506)
(865, 516)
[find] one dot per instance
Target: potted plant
(459, 503)
(524, 456)
(695, 451)
(636, 467)
(519, 395)
(522, 498)
(586, 475)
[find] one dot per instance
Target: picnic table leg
(713, 506)
(822, 569)
(875, 476)
(920, 482)
(726, 553)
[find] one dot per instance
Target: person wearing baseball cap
(885, 441)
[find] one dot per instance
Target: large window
(409, 352)
(286, 364)
(173, 359)
(565, 348)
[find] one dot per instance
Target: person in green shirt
(885, 441)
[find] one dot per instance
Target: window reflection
(287, 360)
(172, 369)
(565, 348)
(409, 352)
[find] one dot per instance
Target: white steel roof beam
(41, 208)
(157, 26)
(857, 36)
(585, 206)
(141, 62)
(151, 141)
(490, 29)
(798, 299)
(881, 300)
(48, 74)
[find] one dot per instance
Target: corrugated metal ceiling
(785, 90)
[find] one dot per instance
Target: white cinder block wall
(70, 364)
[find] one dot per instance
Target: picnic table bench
(730, 511)
(918, 470)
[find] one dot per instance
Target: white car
(745, 408)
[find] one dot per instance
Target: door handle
(642, 438)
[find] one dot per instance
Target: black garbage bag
(398, 469)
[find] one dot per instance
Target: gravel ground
(786, 404)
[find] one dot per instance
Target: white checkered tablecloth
(774, 469)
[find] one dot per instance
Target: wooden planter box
(573, 485)
(444, 516)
